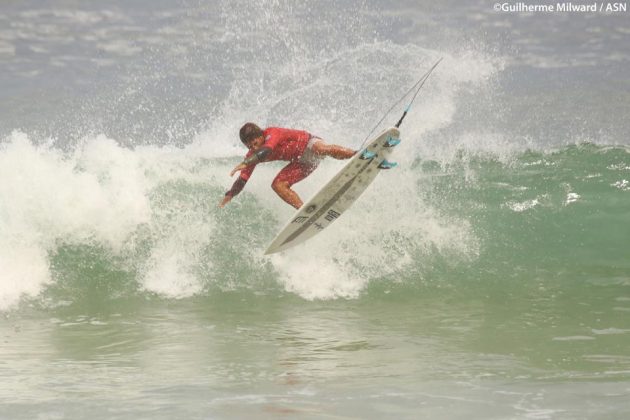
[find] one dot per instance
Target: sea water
(487, 276)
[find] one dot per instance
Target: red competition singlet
(285, 144)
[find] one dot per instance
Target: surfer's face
(256, 143)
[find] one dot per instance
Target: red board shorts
(299, 169)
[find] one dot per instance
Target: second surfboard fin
(385, 164)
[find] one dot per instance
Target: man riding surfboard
(301, 149)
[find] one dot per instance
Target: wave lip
(47, 199)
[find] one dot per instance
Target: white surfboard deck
(334, 198)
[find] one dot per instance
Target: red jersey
(285, 144)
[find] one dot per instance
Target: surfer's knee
(320, 147)
(279, 185)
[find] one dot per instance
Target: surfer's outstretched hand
(225, 200)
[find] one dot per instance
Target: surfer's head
(251, 135)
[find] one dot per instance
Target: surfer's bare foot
(338, 152)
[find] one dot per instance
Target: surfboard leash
(417, 86)
(422, 80)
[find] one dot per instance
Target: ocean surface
(486, 277)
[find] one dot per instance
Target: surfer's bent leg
(283, 189)
(289, 175)
(321, 148)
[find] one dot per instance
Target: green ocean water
(528, 320)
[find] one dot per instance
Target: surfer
(301, 149)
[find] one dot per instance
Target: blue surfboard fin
(387, 165)
(392, 141)
(367, 154)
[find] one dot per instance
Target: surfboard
(334, 198)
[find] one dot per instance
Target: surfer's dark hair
(249, 131)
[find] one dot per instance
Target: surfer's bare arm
(237, 168)
(258, 156)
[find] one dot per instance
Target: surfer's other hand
(237, 168)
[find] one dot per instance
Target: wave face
(109, 187)
(146, 221)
